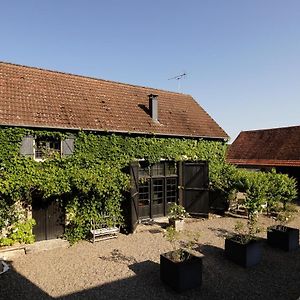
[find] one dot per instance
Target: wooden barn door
(195, 187)
(49, 220)
(134, 196)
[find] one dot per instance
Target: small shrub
(20, 232)
(286, 215)
(245, 233)
(177, 211)
(280, 191)
(181, 241)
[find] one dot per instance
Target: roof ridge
(273, 128)
(91, 78)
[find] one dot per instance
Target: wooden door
(134, 196)
(49, 220)
(195, 187)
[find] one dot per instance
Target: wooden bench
(103, 233)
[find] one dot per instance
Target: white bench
(104, 233)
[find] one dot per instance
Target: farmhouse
(265, 149)
(55, 121)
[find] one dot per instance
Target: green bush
(91, 183)
(280, 190)
(265, 191)
(20, 232)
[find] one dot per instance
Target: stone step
(46, 245)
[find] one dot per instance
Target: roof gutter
(225, 139)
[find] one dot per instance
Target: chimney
(153, 107)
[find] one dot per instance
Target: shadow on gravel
(145, 268)
(276, 277)
(221, 232)
(15, 286)
(209, 250)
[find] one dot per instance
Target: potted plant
(176, 216)
(244, 248)
(281, 236)
(181, 268)
(282, 191)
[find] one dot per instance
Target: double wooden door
(49, 220)
(186, 184)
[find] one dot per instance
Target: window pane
(171, 189)
(144, 169)
(158, 169)
(158, 191)
(171, 168)
(144, 195)
(45, 147)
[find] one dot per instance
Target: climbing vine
(90, 184)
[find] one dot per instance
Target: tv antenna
(178, 78)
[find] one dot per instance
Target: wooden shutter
(134, 195)
(195, 187)
(27, 146)
(67, 146)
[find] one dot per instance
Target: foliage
(280, 191)
(182, 243)
(177, 211)
(244, 234)
(268, 191)
(92, 182)
(7, 214)
(286, 215)
(171, 235)
(20, 232)
(264, 190)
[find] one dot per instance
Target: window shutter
(67, 146)
(27, 146)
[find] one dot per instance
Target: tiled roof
(267, 147)
(48, 99)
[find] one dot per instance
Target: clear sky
(242, 57)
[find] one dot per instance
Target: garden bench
(100, 233)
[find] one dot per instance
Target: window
(158, 183)
(172, 189)
(41, 148)
(46, 148)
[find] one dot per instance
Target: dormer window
(46, 148)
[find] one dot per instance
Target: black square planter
(283, 237)
(245, 255)
(181, 275)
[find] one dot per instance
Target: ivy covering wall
(90, 184)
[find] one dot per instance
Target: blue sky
(242, 57)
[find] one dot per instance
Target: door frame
(160, 171)
(52, 224)
(201, 191)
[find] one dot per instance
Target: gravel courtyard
(128, 268)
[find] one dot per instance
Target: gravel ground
(128, 268)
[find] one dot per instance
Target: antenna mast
(178, 78)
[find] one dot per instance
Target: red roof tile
(267, 147)
(35, 97)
